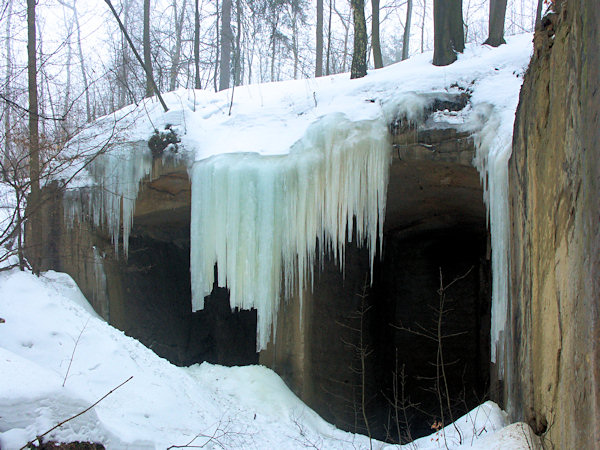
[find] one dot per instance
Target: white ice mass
(297, 161)
(259, 218)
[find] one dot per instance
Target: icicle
(111, 201)
(493, 150)
(258, 218)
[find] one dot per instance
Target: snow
(267, 161)
(52, 337)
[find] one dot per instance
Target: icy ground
(278, 167)
(51, 337)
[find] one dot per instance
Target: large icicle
(258, 218)
(111, 200)
(493, 149)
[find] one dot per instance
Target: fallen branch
(60, 424)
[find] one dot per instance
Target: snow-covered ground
(57, 357)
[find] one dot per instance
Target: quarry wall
(553, 346)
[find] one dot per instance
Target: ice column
(493, 149)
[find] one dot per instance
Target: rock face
(552, 374)
(435, 221)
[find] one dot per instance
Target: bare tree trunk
(34, 143)
(67, 89)
(124, 68)
(457, 31)
(147, 55)
(375, 40)
(295, 40)
(273, 48)
(406, 36)
(177, 51)
(226, 41)
(496, 23)
(8, 85)
(218, 47)
(448, 31)
(327, 65)
(88, 114)
(319, 62)
(238, 45)
(359, 55)
(197, 84)
(423, 26)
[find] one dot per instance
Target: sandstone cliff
(553, 348)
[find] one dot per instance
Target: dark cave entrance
(404, 293)
(157, 309)
(435, 220)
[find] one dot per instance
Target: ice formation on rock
(110, 202)
(265, 220)
(493, 150)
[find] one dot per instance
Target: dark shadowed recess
(157, 310)
(404, 293)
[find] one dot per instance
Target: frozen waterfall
(261, 219)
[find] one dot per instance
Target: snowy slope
(51, 331)
(278, 167)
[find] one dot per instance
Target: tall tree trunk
(124, 57)
(197, 84)
(448, 35)
(496, 23)
(34, 143)
(147, 54)
(8, 86)
(319, 62)
(174, 72)
(406, 36)
(88, 114)
(273, 48)
(423, 26)
(237, 66)
(359, 55)
(328, 58)
(226, 41)
(218, 47)
(457, 30)
(375, 40)
(295, 40)
(67, 86)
